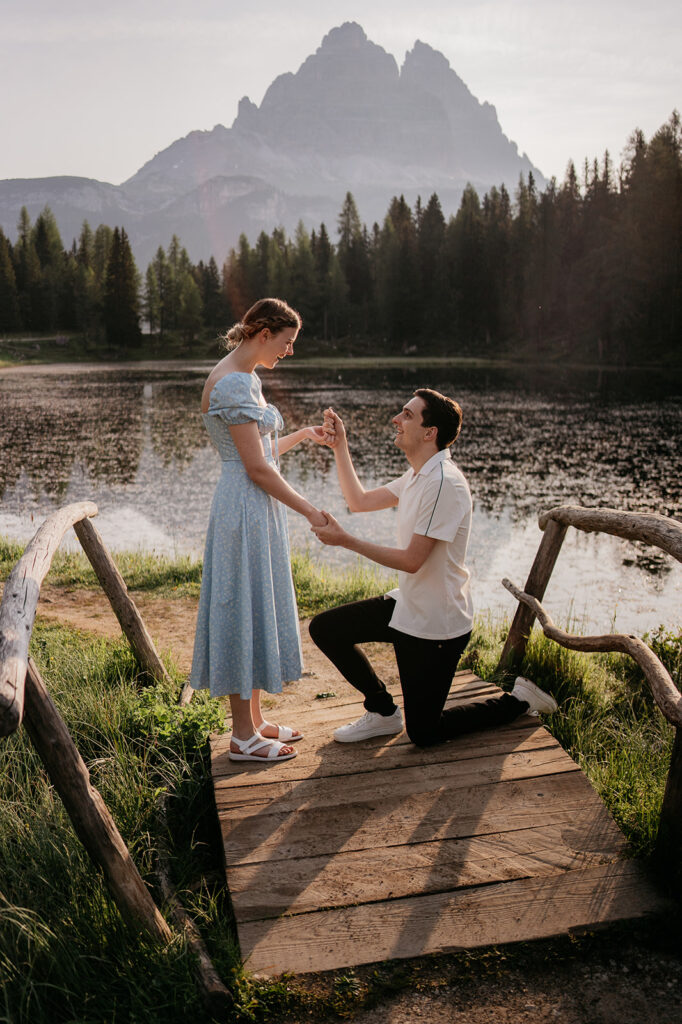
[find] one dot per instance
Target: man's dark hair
(442, 413)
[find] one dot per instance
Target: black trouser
(426, 670)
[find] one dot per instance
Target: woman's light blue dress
(247, 629)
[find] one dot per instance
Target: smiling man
(428, 618)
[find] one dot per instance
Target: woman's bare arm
(250, 447)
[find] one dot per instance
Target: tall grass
(65, 954)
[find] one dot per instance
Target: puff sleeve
(236, 398)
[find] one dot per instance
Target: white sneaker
(538, 700)
(371, 724)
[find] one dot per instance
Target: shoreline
(341, 362)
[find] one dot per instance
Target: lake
(130, 438)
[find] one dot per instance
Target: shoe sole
(262, 760)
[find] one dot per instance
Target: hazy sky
(97, 89)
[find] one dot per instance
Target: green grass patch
(319, 587)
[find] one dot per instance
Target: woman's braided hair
(274, 314)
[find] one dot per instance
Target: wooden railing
(23, 695)
(664, 533)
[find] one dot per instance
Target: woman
(247, 637)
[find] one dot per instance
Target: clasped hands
(330, 432)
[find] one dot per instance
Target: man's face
(410, 430)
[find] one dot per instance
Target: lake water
(130, 438)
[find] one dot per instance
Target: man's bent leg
(337, 631)
(426, 669)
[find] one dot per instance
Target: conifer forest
(589, 269)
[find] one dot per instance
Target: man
(428, 618)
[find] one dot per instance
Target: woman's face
(277, 346)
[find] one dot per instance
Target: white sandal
(256, 742)
(284, 733)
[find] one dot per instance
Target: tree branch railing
(20, 601)
(666, 534)
(23, 695)
(649, 527)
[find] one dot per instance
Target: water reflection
(131, 438)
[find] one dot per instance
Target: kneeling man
(428, 618)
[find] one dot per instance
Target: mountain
(348, 120)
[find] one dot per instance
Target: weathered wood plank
(124, 608)
(442, 813)
(18, 608)
(371, 876)
(381, 754)
(293, 796)
(529, 908)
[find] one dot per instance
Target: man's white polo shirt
(434, 602)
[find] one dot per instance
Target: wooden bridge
(354, 853)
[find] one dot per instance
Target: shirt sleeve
(396, 486)
(443, 506)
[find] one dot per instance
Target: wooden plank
(530, 908)
(370, 876)
(383, 753)
(290, 797)
(443, 813)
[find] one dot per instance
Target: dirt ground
(628, 975)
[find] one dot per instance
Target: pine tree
(10, 319)
(121, 301)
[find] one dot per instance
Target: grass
(65, 955)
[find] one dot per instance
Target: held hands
(329, 433)
(333, 425)
(331, 533)
(316, 434)
(317, 519)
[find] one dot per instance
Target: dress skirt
(247, 633)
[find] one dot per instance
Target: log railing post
(91, 819)
(669, 838)
(536, 584)
(123, 605)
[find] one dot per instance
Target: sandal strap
(284, 733)
(253, 743)
(256, 742)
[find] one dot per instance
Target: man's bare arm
(357, 498)
(409, 559)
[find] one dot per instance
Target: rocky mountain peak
(347, 119)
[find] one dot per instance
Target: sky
(96, 90)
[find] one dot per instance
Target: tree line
(590, 267)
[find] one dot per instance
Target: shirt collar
(435, 460)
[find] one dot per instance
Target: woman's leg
(243, 726)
